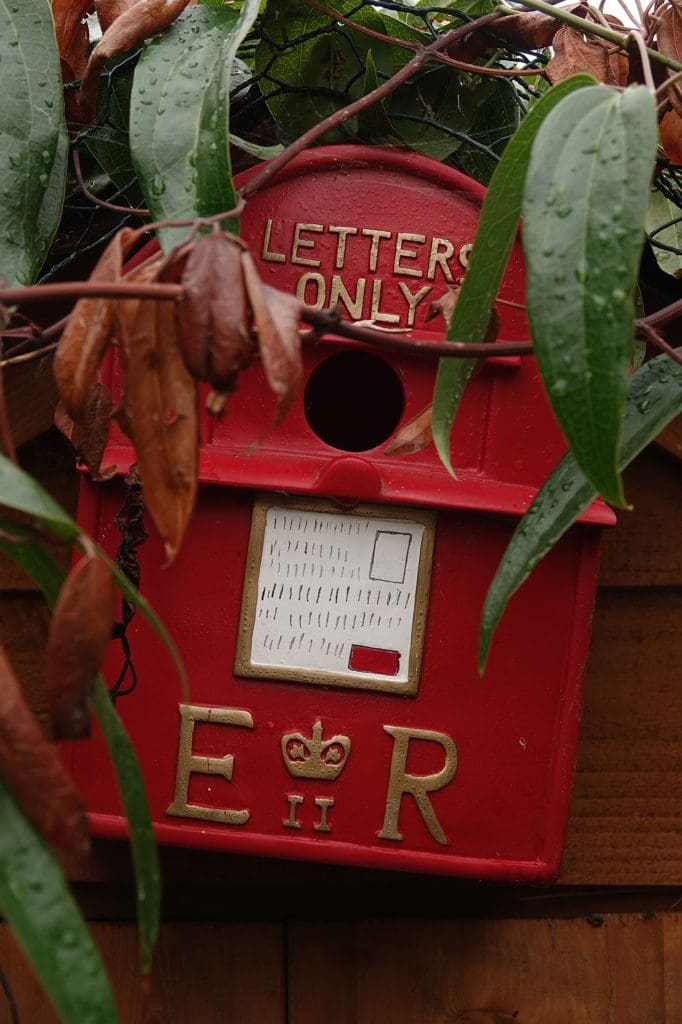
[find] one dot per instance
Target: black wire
(11, 1004)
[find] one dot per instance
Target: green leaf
(108, 141)
(373, 124)
(659, 211)
(435, 112)
(307, 73)
(37, 904)
(142, 843)
(496, 121)
(492, 245)
(33, 139)
(30, 554)
(253, 149)
(655, 398)
(179, 116)
(20, 491)
(584, 206)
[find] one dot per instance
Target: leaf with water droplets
(37, 903)
(654, 399)
(132, 26)
(33, 139)
(179, 112)
(494, 239)
(584, 206)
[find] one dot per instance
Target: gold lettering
(376, 314)
(408, 254)
(304, 243)
(376, 235)
(465, 253)
(341, 244)
(318, 281)
(418, 786)
(442, 250)
(413, 300)
(272, 257)
(189, 763)
(338, 291)
(324, 803)
(294, 801)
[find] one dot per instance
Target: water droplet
(158, 185)
(44, 180)
(193, 157)
(15, 159)
(559, 387)
(618, 295)
(46, 156)
(563, 212)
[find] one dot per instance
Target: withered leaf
(671, 136)
(33, 771)
(109, 10)
(159, 410)
(88, 332)
(573, 52)
(90, 433)
(414, 436)
(212, 317)
(72, 34)
(80, 630)
(276, 318)
(136, 23)
(528, 31)
(445, 306)
(669, 42)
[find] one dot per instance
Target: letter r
(418, 786)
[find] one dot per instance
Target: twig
(27, 357)
(651, 334)
(89, 289)
(339, 117)
(645, 61)
(415, 47)
(328, 321)
(95, 199)
(5, 429)
(591, 28)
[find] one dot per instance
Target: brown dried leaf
(159, 410)
(136, 23)
(212, 317)
(72, 34)
(671, 136)
(88, 332)
(33, 771)
(89, 434)
(414, 436)
(276, 317)
(109, 10)
(669, 41)
(528, 31)
(80, 631)
(445, 306)
(573, 52)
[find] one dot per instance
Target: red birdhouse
(327, 597)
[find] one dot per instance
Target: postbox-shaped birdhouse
(326, 601)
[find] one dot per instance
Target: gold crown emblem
(313, 757)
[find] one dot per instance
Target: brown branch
(415, 47)
(95, 199)
(328, 321)
(89, 289)
(650, 334)
(339, 117)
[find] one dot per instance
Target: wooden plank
(207, 973)
(644, 550)
(624, 826)
(484, 972)
(30, 397)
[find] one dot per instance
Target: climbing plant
(127, 118)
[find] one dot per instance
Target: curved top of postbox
(380, 233)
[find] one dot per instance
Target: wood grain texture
(624, 825)
(208, 974)
(528, 972)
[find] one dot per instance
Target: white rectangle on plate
(329, 582)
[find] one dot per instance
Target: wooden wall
(250, 941)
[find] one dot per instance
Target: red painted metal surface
(466, 776)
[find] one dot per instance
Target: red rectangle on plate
(373, 659)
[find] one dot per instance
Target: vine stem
(421, 57)
(324, 321)
(590, 28)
